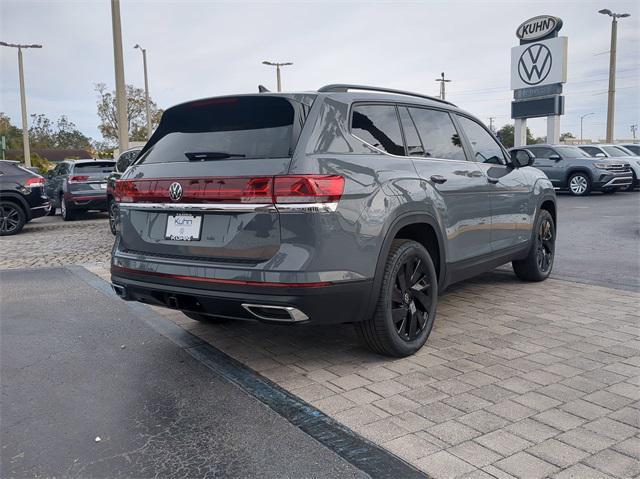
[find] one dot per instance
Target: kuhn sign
(538, 27)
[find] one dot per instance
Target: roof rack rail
(343, 87)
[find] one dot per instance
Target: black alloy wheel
(411, 298)
(114, 215)
(545, 246)
(12, 218)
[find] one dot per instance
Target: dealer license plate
(183, 227)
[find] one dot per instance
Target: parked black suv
(335, 206)
(79, 185)
(22, 197)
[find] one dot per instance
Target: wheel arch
(19, 200)
(577, 169)
(419, 227)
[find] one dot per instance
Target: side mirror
(555, 157)
(600, 155)
(521, 158)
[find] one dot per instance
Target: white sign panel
(539, 63)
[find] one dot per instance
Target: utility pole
(23, 100)
(121, 94)
(581, 119)
(146, 89)
(634, 129)
(442, 81)
(612, 70)
(491, 118)
(277, 65)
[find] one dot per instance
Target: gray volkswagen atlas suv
(350, 204)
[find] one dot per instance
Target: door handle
(438, 179)
(493, 181)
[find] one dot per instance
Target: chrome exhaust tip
(268, 312)
(120, 291)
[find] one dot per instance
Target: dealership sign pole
(538, 70)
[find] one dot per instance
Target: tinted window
(62, 169)
(439, 136)
(542, 151)
(95, 167)
(485, 148)
(592, 150)
(572, 152)
(378, 125)
(634, 149)
(219, 128)
(411, 138)
(615, 151)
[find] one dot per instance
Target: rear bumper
(39, 211)
(334, 303)
(87, 202)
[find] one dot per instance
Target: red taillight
(78, 178)
(34, 182)
(260, 190)
(308, 189)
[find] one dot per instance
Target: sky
(199, 49)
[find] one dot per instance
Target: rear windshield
(221, 128)
(96, 167)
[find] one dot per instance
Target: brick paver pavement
(517, 379)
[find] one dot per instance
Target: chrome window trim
(234, 207)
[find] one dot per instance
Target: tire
(632, 186)
(538, 264)
(579, 184)
(12, 218)
(52, 211)
(114, 216)
(204, 318)
(66, 214)
(406, 306)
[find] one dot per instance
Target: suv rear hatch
(90, 178)
(202, 187)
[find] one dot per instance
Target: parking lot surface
(77, 365)
(517, 379)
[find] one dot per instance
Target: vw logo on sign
(534, 64)
(175, 191)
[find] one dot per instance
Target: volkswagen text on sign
(539, 63)
(538, 27)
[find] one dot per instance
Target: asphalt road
(76, 365)
(599, 239)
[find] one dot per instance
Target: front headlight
(602, 166)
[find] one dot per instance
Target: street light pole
(582, 118)
(146, 89)
(277, 65)
(121, 94)
(23, 100)
(612, 70)
(442, 81)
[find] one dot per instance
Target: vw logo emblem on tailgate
(535, 64)
(175, 191)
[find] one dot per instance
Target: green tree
(566, 136)
(67, 136)
(12, 134)
(505, 134)
(136, 113)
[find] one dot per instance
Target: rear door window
(412, 139)
(221, 128)
(439, 136)
(378, 126)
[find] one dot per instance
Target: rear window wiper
(212, 155)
